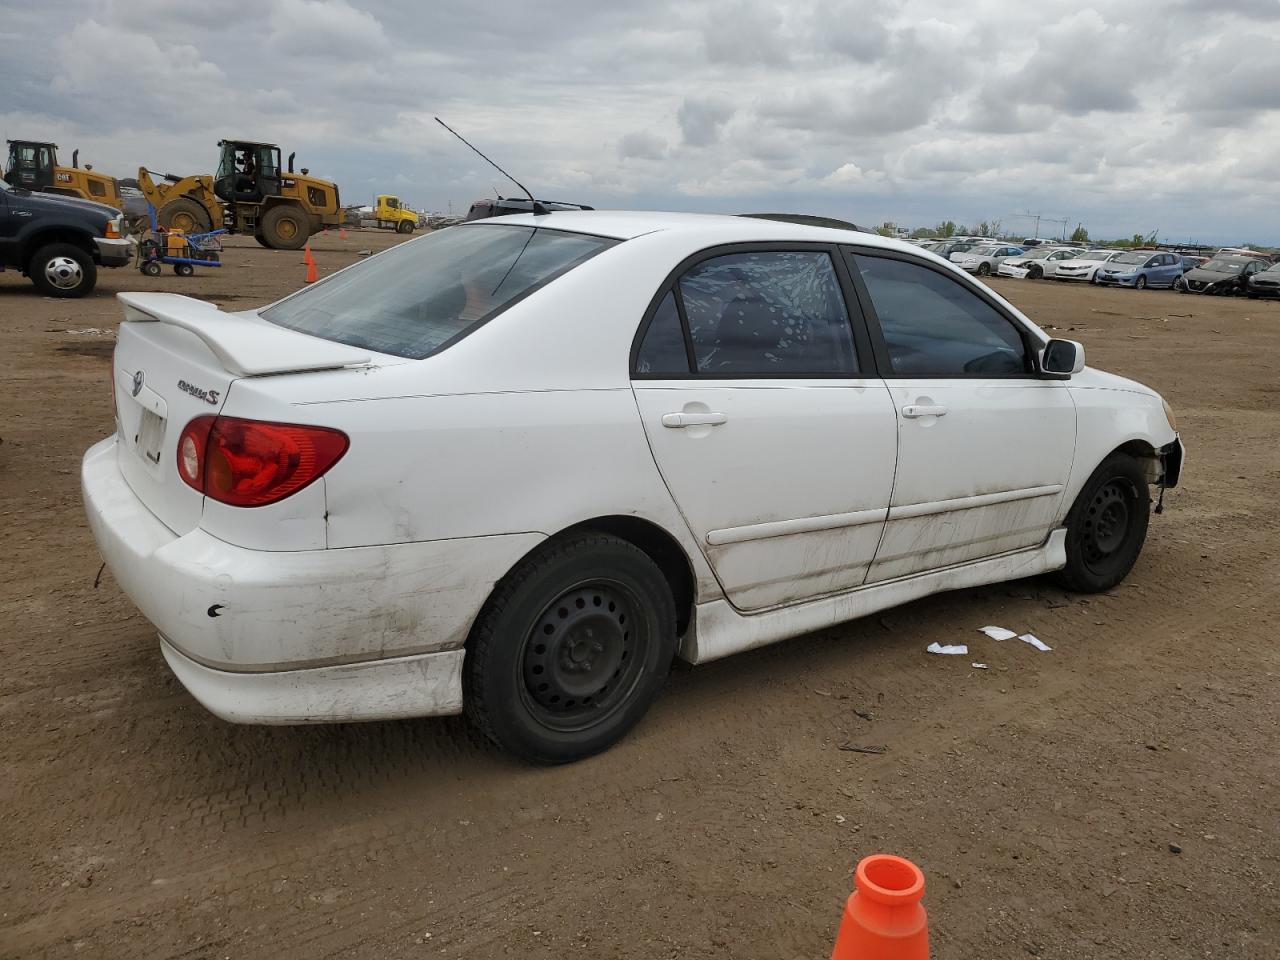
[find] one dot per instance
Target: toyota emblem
(137, 383)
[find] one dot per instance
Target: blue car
(1141, 269)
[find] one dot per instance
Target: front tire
(186, 215)
(62, 270)
(1107, 526)
(1036, 273)
(984, 269)
(285, 228)
(1140, 283)
(570, 650)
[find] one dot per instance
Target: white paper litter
(999, 633)
(978, 666)
(950, 649)
(1035, 641)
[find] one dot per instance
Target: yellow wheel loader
(33, 165)
(250, 194)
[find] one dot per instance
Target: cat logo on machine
(138, 379)
(209, 396)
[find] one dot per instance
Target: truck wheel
(62, 270)
(285, 228)
(404, 226)
(186, 215)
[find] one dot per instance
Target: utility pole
(1037, 217)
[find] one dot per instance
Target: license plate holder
(150, 436)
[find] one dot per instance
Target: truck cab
(33, 165)
(392, 215)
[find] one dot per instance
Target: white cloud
(911, 112)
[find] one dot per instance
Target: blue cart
(197, 250)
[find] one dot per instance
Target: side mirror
(1062, 357)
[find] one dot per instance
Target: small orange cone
(883, 918)
(312, 275)
(342, 234)
(306, 254)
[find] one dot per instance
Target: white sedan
(1038, 263)
(1085, 266)
(514, 467)
(985, 260)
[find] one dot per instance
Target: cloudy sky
(1125, 116)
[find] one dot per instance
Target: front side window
(768, 313)
(418, 297)
(934, 326)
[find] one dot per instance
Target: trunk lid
(176, 359)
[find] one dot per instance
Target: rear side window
(934, 326)
(421, 296)
(662, 351)
(768, 313)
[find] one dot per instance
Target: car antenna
(538, 208)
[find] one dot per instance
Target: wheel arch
(48, 235)
(648, 537)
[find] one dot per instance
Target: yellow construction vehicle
(33, 165)
(390, 215)
(248, 194)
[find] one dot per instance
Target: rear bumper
(298, 636)
(429, 684)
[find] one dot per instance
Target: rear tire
(570, 650)
(285, 228)
(1107, 526)
(184, 269)
(186, 215)
(62, 270)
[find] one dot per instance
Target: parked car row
(1229, 272)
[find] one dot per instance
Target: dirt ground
(1116, 797)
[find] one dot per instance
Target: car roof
(626, 224)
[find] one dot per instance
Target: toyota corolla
(515, 467)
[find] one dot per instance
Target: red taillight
(249, 463)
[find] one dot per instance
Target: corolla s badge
(137, 383)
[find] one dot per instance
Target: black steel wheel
(582, 659)
(570, 649)
(1107, 526)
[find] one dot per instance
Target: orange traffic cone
(312, 275)
(342, 234)
(883, 918)
(306, 254)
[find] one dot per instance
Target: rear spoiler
(244, 345)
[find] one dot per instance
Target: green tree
(947, 228)
(1079, 234)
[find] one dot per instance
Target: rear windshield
(421, 296)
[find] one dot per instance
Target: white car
(516, 466)
(1038, 263)
(984, 261)
(1085, 266)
